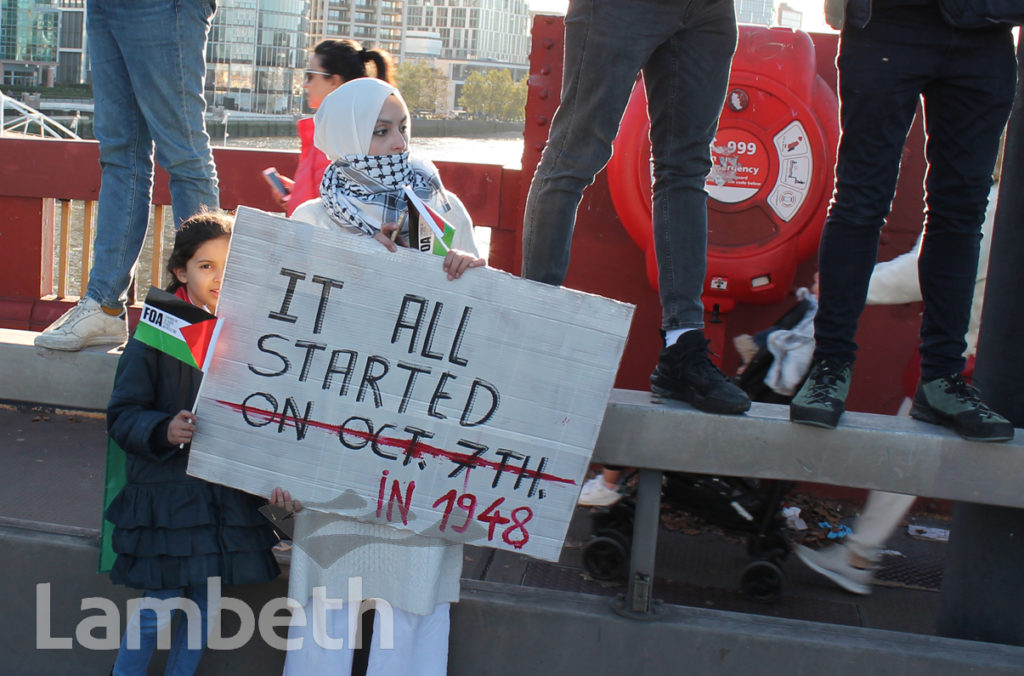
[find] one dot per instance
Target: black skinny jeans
(966, 79)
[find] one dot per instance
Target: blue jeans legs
(966, 80)
(685, 51)
(153, 615)
(148, 60)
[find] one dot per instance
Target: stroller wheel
(762, 581)
(606, 557)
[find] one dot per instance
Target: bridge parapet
(879, 452)
(569, 631)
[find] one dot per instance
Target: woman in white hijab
(362, 127)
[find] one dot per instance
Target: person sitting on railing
(332, 64)
(148, 63)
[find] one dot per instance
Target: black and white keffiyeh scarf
(364, 191)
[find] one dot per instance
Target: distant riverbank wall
(285, 126)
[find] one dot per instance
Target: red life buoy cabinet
(772, 175)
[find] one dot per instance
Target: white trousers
(882, 513)
(420, 643)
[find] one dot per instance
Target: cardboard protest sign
(368, 385)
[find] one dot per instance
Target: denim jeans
(684, 48)
(966, 79)
(148, 60)
(146, 623)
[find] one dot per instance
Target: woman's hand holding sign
(456, 262)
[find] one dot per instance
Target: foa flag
(178, 328)
(436, 234)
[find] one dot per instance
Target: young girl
(174, 532)
(363, 127)
(332, 64)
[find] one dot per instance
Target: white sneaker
(596, 494)
(833, 563)
(84, 325)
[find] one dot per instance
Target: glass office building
(29, 32)
(256, 55)
(377, 24)
(72, 66)
(758, 12)
(476, 30)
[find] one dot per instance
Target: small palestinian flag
(438, 234)
(178, 328)
(112, 485)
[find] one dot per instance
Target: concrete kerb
(564, 633)
(501, 629)
(70, 380)
(51, 613)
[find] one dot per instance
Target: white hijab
(362, 190)
(343, 125)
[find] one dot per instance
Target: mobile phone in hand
(274, 179)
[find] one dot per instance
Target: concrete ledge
(74, 380)
(46, 599)
(499, 630)
(882, 452)
(867, 451)
(496, 629)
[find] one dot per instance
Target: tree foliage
(493, 95)
(424, 88)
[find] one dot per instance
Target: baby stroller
(735, 504)
(747, 506)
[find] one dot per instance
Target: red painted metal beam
(32, 171)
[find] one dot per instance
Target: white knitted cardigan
(411, 572)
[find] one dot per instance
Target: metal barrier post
(982, 588)
(639, 602)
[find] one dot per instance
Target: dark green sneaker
(951, 402)
(822, 399)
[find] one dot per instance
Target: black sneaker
(951, 402)
(822, 399)
(685, 372)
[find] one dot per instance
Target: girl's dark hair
(348, 59)
(193, 233)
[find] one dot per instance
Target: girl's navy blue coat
(173, 530)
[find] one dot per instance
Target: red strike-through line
(403, 444)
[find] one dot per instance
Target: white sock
(672, 335)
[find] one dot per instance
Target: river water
(506, 150)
